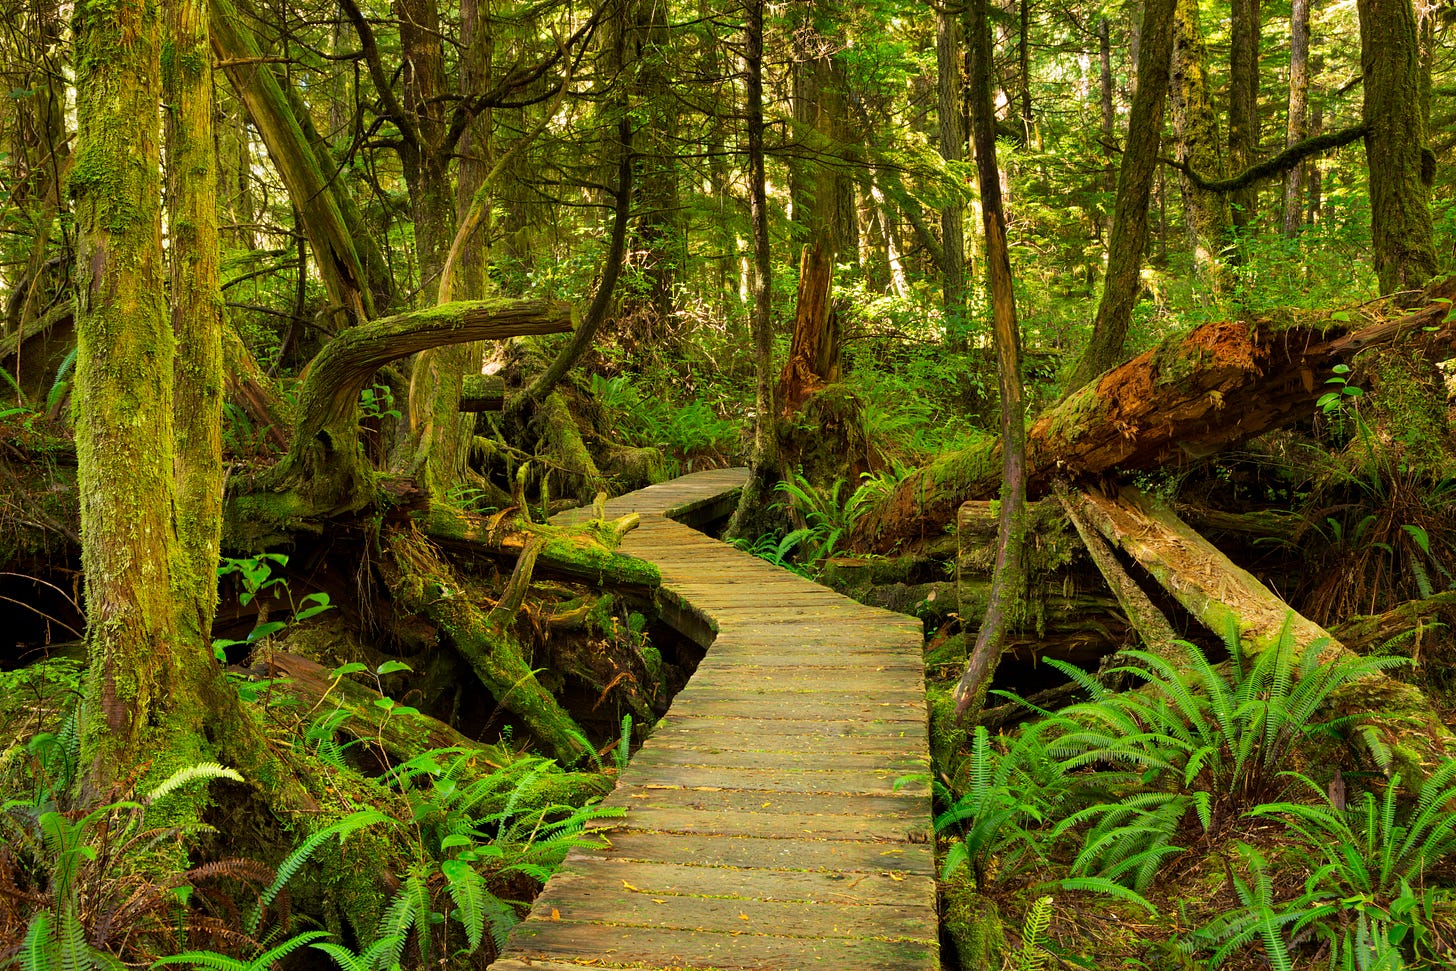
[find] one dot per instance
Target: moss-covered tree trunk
(1195, 123)
(1298, 125)
(1123, 282)
(1402, 238)
(197, 322)
(141, 712)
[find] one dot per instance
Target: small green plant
(378, 402)
(255, 574)
(1333, 402)
(1007, 794)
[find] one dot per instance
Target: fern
(1033, 955)
(223, 962)
(188, 775)
(376, 957)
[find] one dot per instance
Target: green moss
(973, 922)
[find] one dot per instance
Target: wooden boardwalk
(763, 826)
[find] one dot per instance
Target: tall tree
(1008, 583)
(1402, 236)
(144, 702)
(1298, 128)
(764, 463)
(951, 139)
(1195, 122)
(1123, 280)
(1243, 135)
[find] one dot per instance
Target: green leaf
(390, 667)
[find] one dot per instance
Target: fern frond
(1104, 886)
(189, 774)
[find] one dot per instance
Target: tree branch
(1277, 165)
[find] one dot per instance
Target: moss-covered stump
(973, 922)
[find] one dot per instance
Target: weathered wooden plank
(659, 879)
(764, 825)
(648, 947)
(617, 905)
(660, 756)
(816, 826)
(826, 781)
(906, 806)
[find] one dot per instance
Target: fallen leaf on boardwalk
(897, 877)
(742, 916)
(656, 901)
(631, 888)
(555, 914)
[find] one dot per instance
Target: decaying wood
(1219, 385)
(482, 393)
(1412, 617)
(814, 352)
(398, 734)
(1151, 625)
(1223, 596)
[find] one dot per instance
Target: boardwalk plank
(764, 827)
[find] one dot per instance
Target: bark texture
(1123, 281)
(1400, 201)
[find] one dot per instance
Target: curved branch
(1277, 165)
(335, 377)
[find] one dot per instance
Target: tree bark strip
(1224, 597)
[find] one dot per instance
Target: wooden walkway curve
(763, 828)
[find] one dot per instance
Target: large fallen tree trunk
(1224, 597)
(1219, 385)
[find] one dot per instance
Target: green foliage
(255, 574)
(684, 431)
(1370, 860)
(991, 823)
(264, 961)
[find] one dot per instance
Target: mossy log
(480, 392)
(1365, 633)
(324, 474)
(1191, 396)
(583, 553)
(1224, 597)
(424, 583)
(399, 735)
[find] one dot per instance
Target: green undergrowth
(1215, 813)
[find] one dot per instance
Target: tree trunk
(141, 711)
(814, 352)
(1298, 114)
(1196, 125)
(1243, 137)
(335, 253)
(952, 142)
(1402, 238)
(1219, 385)
(1222, 597)
(764, 462)
(1123, 281)
(1008, 582)
(197, 322)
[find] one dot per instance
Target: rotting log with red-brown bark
(1219, 385)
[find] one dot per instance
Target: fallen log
(1222, 596)
(1191, 396)
(1366, 632)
